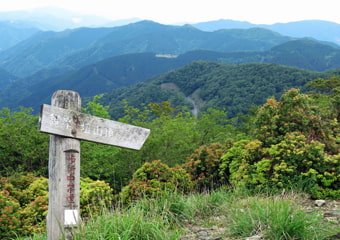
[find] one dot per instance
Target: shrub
(15, 184)
(94, 197)
(24, 203)
(288, 164)
(296, 112)
(203, 166)
(9, 216)
(154, 178)
(33, 216)
(295, 146)
(34, 205)
(239, 159)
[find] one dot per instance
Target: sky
(193, 11)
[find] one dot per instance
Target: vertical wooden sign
(67, 125)
(64, 175)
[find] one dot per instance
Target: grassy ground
(221, 214)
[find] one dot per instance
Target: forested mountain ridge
(90, 80)
(44, 48)
(301, 53)
(93, 60)
(125, 70)
(236, 88)
(147, 36)
(317, 29)
(63, 49)
(13, 33)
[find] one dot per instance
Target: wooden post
(64, 174)
(67, 124)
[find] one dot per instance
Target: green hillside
(307, 54)
(302, 53)
(125, 70)
(44, 48)
(236, 88)
(5, 78)
(93, 79)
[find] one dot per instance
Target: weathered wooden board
(64, 176)
(69, 123)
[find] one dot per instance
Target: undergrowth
(241, 213)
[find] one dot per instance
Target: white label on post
(71, 217)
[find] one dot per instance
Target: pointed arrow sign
(69, 123)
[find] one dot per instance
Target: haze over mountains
(55, 19)
(36, 60)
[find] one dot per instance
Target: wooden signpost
(67, 125)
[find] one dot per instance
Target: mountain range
(317, 29)
(56, 19)
(94, 60)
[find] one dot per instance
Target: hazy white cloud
(172, 11)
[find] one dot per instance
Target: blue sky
(192, 11)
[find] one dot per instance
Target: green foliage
(294, 145)
(98, 162)
(235, 88)
(16, 184)
(175, 134)
(96, 109)
(33, 216)
(171, 139)
(330, 86)
(237, 160)
(94, 197)
(153, 179)
(240, 214)
(304, 53)
(170, 207)
(29, 194)
(22, 147)
(35, 205)
(203, 166)
(24, 203)
(98, 159)
(9, 216)
(273, 218)
(129, 224)
(296, 112)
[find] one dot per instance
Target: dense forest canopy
(236, 88)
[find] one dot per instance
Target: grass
(126, 225)
(239, 213)
(274, 218)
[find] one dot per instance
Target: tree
(22, 147)
(98, 161)
(96, 109)
(296, 112)
(331, 87)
